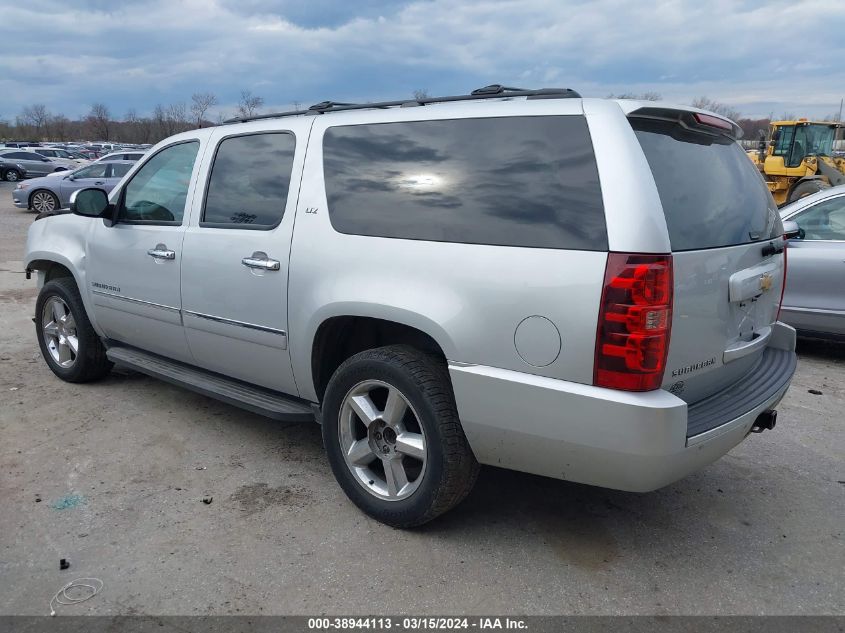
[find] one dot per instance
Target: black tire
(50, 201)
(806, 188)
(450, 469)
(90, 361)
(12, 175)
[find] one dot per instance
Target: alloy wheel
(382, 440)
(59, 330)
(43, 201)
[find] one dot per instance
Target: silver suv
(585, 289)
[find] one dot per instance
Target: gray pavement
(759, 532)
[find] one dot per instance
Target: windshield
(815, 139)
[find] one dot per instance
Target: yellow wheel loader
(798, 159)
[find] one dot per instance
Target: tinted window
(119, 170)
(712, 194)
(249, 181)
(158, 191)
(824, 221)
(516, 181)
(20, 155)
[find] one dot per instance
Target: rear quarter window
(712, 194)
(509, 181)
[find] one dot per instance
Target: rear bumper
(615, 439)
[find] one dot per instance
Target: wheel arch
(49, 266)
(341, 335)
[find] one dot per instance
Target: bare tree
(177, 115)
(37, 116)
(202, 101)
(99, 119)
(249, 104)
(420, 93)
(725, 110)
(160, 121)
(59, 126)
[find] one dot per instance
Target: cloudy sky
(761, 56)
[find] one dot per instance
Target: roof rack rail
(493, 91)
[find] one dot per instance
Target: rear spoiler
(690, 118)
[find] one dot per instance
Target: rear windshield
(712, 194)
(510, 181)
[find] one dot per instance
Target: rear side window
(249, 182)
(711, 192)
(119, 170)
(509, 181)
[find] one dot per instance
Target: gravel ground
(112, 475)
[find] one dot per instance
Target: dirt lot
(111, 476)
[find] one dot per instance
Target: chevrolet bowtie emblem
(766, 282)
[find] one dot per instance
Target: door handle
(161, 252)
(99, 182)
(260, 260)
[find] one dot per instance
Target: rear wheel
(68, 342)
(12, 175)
(806, 188)
(43, 200)
(393, 437)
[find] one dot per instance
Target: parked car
(53, 192)
(460, 287)
(11, 171)
(35, 164)
(814, 300)
(60, 156)
(123, 155)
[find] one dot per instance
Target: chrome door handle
(260, 260)
(161, 252)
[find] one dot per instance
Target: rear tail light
(635, 319)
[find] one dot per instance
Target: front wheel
(44, 201)
(68, 342)
(806, 188)
(13, 175)
(393, 437)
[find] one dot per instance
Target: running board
(256, 399)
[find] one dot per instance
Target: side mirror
(792, 231)
(90, 203)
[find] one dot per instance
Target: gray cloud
(148, 51)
